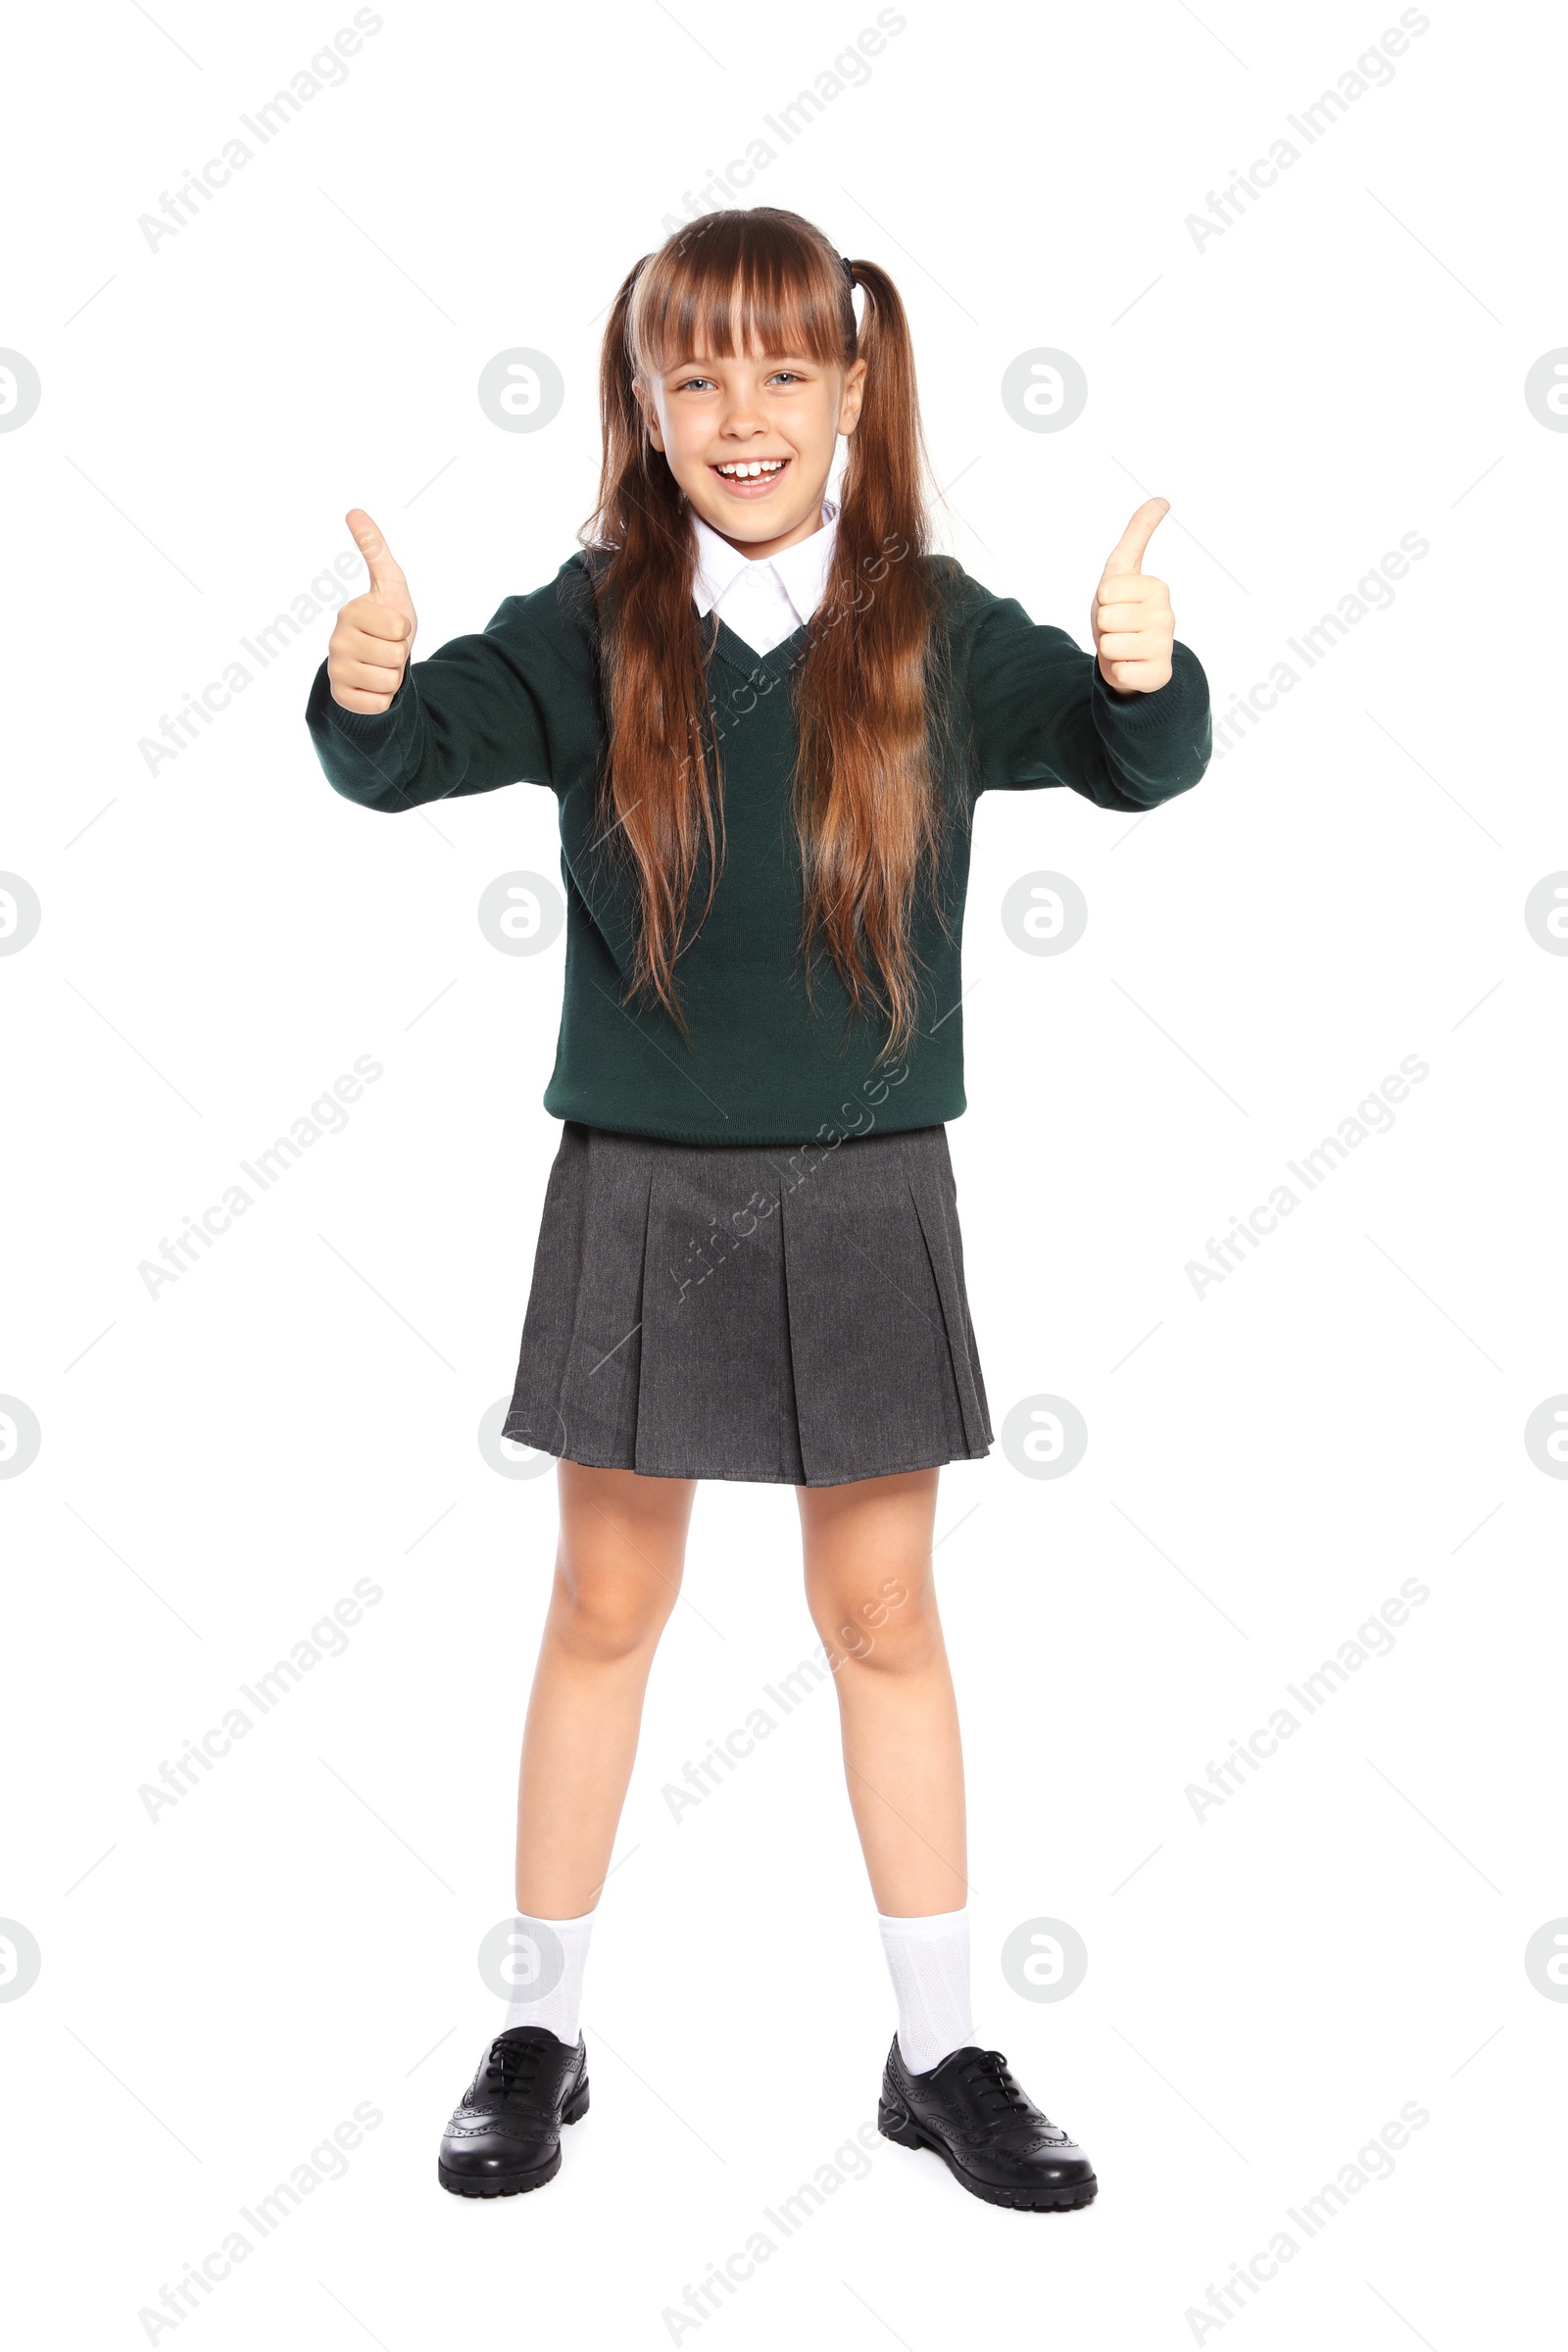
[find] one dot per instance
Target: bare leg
(866, 1547)
(619, 1563)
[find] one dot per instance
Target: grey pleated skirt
(792, 1315)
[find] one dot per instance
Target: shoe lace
(990, 2077)
(513, 2061)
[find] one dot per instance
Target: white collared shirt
(763, 601)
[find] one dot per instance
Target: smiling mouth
(750, 478)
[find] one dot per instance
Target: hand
(1131, 617)
(374, 637)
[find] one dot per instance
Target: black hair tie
(848, 267)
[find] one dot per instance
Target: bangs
(742, 284)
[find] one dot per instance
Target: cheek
(813, 424)
(685, 436)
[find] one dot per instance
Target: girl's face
(780, 416)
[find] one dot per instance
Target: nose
(742, 422)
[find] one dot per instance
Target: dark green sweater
(520, 702)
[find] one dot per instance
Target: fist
(1131, 617)
(374, 637)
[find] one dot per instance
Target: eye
(688, 382)
(787, 375)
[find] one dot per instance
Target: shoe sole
(513, 2185)
(904, 2132)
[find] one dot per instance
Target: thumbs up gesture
(1131, 617)
(374, 637)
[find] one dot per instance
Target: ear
(854, 394)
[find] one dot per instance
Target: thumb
(387, 583)
(1128, 553)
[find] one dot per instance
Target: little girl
(766, 719)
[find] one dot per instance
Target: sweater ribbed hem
(769, 1138)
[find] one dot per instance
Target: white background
(1266, 1985)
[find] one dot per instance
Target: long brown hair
(865, 794)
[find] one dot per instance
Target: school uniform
(748, 1262)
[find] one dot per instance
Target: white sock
(928, 1960)
(545, 1971)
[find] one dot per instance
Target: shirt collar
(800, 571)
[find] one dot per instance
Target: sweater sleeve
(513, 704)
(1042, 713)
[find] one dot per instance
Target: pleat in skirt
(792, 1315)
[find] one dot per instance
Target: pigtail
(658, 719)
(866, 805)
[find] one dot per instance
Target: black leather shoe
(506, 2134)
(989, 2133)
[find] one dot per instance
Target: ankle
(928, 1960)
(542, 1966)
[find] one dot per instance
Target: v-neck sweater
(521, 702)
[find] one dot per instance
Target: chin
(746, 527)
(748, 520)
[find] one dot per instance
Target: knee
(896, 1631)
(600, 1617)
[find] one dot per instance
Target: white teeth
(753, 466)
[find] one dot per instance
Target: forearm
(1138, 750)
(379, 761)
(483, 711)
